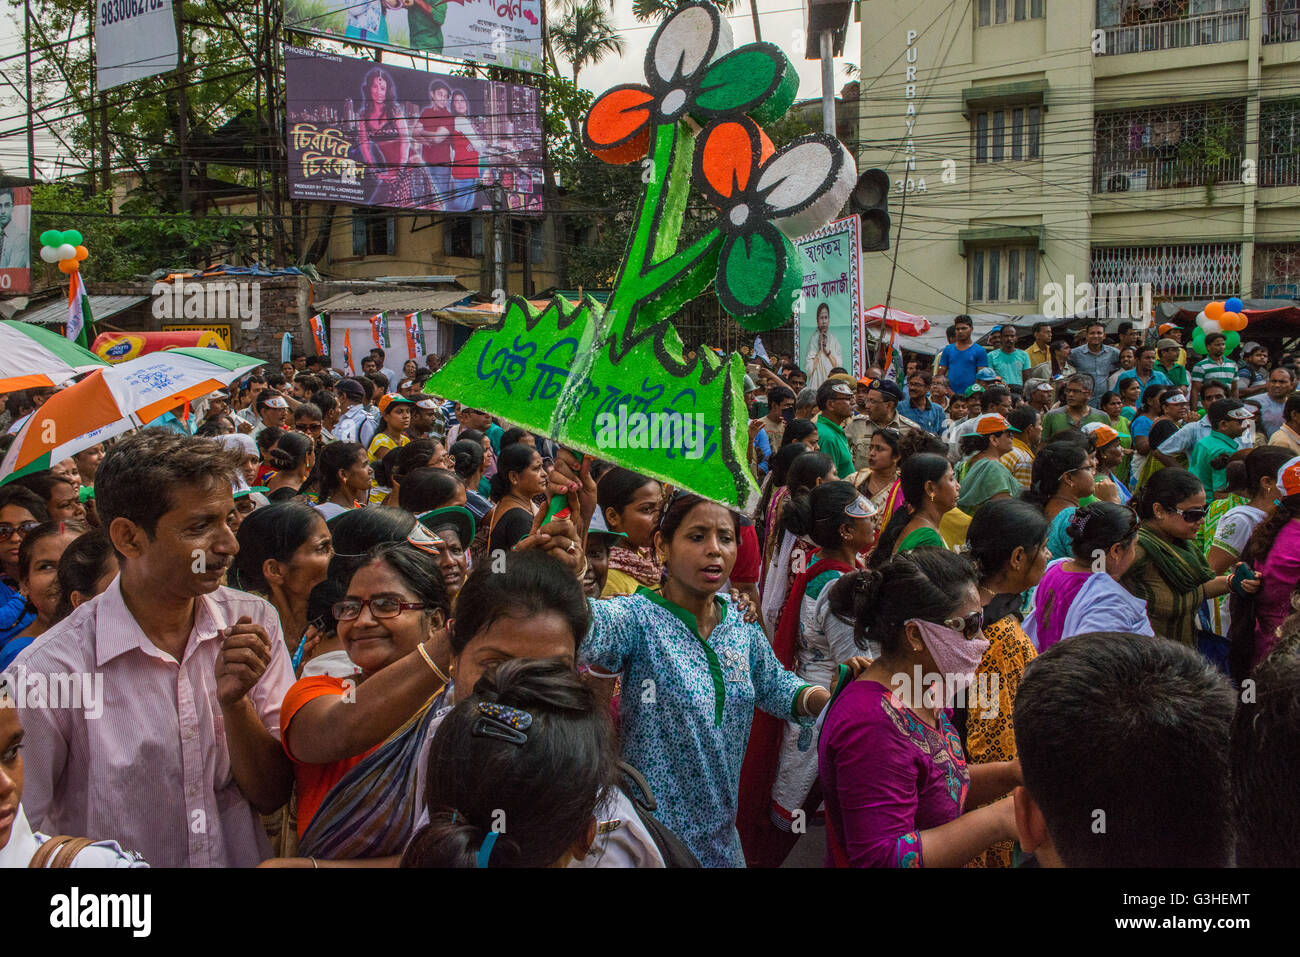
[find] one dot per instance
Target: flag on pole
(347, 351)
(415, 336)
(379, 330)
(318, 334)
(759, 351)
(80, 321)
(286, 347)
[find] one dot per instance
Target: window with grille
(1009, 133)
(1003, 274)
(1190, 271)
(1167, 147)
(374, 234)
(1005, 11)
(1277, 271)
(463, 237)
(1279, 142)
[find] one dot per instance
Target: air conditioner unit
(1282, 290)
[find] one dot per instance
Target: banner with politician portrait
(826, 333)
(506, 33)
(15, 239)
(370, 134)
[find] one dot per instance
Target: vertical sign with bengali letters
(826, 332)
(134, 39)
(15, 240)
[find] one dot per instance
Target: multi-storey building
(1110, 141)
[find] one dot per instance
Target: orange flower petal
(727, 160)
(618, 127)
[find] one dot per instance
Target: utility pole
(828, 81)
(182, 127)
(31, 129)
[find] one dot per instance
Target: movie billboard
(370, 134)
(15, 240)
(507, 33)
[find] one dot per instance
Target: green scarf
(1184, 570)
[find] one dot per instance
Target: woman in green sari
(1169, 572)
(987, 478)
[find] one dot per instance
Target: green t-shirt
(835, 444)
(1008, 365)
(1204, 452)
(1177, 374)
(426, 27)
(1208, 370)
(1059, 420)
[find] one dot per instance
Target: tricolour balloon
(1215, 309)
(1234, 304)
(72, 237)
(66, 251)
(51, 237)
(68, 266)
(82, 253)
(1233, 340)
(50, 254)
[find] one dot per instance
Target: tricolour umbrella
(116, 399)
(32, 356)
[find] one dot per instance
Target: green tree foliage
(585, 34)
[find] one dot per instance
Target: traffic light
(870, 200)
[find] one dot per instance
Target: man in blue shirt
(961, 358)
(918, 407)
(1097, 360)
(1145, 371)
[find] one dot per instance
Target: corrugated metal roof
(411, 300)
(56, 311)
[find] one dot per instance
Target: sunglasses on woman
(383, 606)
(23, 529)
(971, 627)
(1192, 516)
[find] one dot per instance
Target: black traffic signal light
(870, 200)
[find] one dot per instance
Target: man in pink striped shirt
(186, 751)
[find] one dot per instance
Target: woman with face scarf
(893, 773)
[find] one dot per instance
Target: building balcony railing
(1281, 27)
(1128, 175)
(1280, 170)
(1176, 34)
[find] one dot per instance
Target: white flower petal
(688, 41)
(807, 183)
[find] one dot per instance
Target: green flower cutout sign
(613, 381)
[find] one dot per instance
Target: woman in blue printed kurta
(693, 671)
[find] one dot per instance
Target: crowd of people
(320, 620)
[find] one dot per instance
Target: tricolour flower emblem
(691, 70)
(765, 197)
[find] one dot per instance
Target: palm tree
(586, 35)
(662, 9)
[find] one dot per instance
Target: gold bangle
(436, 670)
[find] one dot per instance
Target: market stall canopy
(932, 341)
(374, 301)
(904, 323)
(55, 311)
(1268, 318)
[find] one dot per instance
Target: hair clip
(1079, 520)
(502, 722)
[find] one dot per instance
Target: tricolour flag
(80, 321)
(318, 334)
(415, 336)
(379, 330)
(347, 351)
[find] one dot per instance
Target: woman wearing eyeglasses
(893, 772)
(1061, 477)
(1169, 572)
(781, 763)
(21, 510)
(355, 742)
